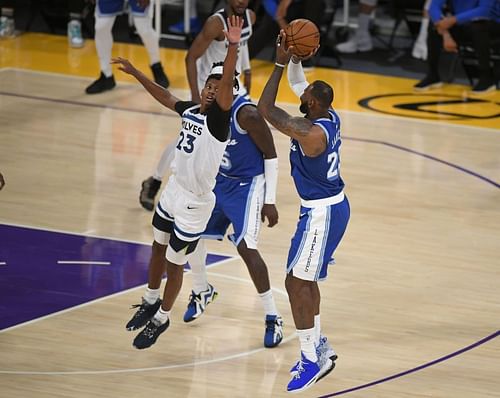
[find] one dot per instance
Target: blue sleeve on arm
(271, 6)
(481, 11)
(436, 10)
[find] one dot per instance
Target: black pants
(268, 28)
(477, 34)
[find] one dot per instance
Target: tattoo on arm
(295, 127)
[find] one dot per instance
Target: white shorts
(189, 212)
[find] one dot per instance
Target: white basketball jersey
(217, 50)
(198, 153)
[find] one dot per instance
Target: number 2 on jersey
(186, 142)
(333, 170)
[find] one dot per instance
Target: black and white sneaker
(148, 336)
(428, 83)
(159, 75)
(102, 84)
(149, 189)
(145, 312)
(484, 86)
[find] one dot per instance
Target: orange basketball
(303, 35)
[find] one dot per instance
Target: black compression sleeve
(218, 122)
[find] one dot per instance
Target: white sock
(197, 262)
(151, 295)
(104, 42)
(268, 303)
(162, 316)
(363, 31)
(317, 329)
(422, 34)
(165, 161)
(149, 38)
(306, 338)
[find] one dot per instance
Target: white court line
(70, 262)
(164, 367)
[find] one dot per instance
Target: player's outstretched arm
(225, 94)
(162, 95)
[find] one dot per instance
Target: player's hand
(2, 181)
(234, 26)
(270, 212)
(124, 65)
(283, 54)
(143, 3)
(449, 44)
(296, 58)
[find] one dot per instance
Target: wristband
(279, 65)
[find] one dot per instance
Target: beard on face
(304, 108)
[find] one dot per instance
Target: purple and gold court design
(43, 272)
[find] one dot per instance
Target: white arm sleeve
(296, 78)
(271, 176)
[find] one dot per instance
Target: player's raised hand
(125, 65)
(234, 27)
(283, 53)
(297, 58)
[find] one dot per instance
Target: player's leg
(203, 293)
(105, 14)
(318, 233)
(191, 215)
(162, 229)
(362, 40)
(143, 21)
(243, 208)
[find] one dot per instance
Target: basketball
(303, 35)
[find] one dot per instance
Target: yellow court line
(354, 91)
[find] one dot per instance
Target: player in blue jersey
(324, 212)
(245, 196)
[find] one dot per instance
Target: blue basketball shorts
(110, 8)
(319, 231)
(238, 202)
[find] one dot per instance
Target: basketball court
(411, 306)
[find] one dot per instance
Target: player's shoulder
(214, 23)
(253, 16)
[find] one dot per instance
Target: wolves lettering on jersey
(198, 153)
(319, 177)
(242, 158)
(216, 51)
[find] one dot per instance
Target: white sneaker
(75, 38)
(419, 50)
(355, 44)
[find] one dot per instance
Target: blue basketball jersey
(319, 177)
(242, 158)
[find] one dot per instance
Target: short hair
(216, 73)
(323, 92)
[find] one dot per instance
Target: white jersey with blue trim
(198, 153)
(242, 157)
(319, 177)
(217, 50)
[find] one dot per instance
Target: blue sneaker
(198, 303)
(306, 375)
(274, 331)
(324, 351)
